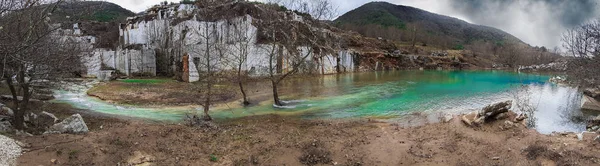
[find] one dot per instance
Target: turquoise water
(391, 96)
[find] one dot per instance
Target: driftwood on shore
(489, 113)
(494, 110)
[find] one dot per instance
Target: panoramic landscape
(299, 82)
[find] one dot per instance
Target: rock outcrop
(71, 125)
(589, 103)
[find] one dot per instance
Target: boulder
(46, 119)
(72, 125)
(6, 127)
(4, 110)
(447, 117)
(469, 118)
(30, 117)
(589, 103)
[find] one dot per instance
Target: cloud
(138, 5)
(537, 22)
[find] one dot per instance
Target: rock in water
(73, 125)
(9, 151)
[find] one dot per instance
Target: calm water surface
(396, 96)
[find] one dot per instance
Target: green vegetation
(376, 17)
(105, 16)
(385, 19)
(90, 11)
(404, 18)
(146, 81)
(458, 47)
(213, 158)
(73, 154)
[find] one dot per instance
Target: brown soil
(169, 93)
(277, 140)
(173, 93)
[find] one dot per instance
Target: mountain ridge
(405, 18)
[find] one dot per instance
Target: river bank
(282, 140)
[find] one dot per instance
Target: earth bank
(279, 140)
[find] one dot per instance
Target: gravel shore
(9, 151)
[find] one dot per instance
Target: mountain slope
(390, 19)
(90, 11)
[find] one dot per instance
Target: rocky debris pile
(554, 66)
(9, 151)
(6, 115)
(5, 126)
(44, 122)
(71, 125)
(558, 80)
(593, 124)
(75, 85)
(491, 113)
(439, 53)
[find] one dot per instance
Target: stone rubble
(9, 151)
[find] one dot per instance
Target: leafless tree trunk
(243, 35)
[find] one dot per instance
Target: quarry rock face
(158, 40)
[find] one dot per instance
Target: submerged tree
(290, 44)
(32, 51)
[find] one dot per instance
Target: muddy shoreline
(283, 140)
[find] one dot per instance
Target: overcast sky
(537, 22)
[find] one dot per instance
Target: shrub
(458, 47)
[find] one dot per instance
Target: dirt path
(277, 140)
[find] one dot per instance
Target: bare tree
(292, 43)
(318, 9)
(31, 52)
(583, 42)
(210, 52)
(243, 36)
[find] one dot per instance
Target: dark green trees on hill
(396, 22)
